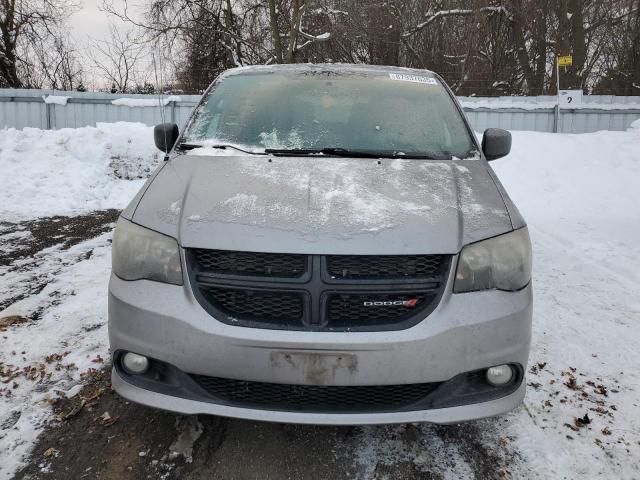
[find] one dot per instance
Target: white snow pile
(55, 99)
(57, 172)
(145, 102)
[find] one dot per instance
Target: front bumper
(466, 332)
(439, 415)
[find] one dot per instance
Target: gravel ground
(97, 434)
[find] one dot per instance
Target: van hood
(322, 205)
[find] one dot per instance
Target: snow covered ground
(63, 337)
(579, 193)
(56, 295)
(581, 197)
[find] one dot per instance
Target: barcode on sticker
(413, 78)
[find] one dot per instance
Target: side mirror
(496, 143)
(165, 136)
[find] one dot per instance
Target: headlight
(502, 262)
(142, 253)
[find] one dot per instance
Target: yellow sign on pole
(565, 61)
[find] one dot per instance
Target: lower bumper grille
(463, 389)
(315, 398)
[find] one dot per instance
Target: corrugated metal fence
(597, 112)
(52, 110)
(45, 109)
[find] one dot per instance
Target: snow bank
(581, 182)
(145, 102)
(50, 172)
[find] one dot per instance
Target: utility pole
(561, 61)
(557, 119)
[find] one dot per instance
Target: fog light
(135, 363)
(500, 375)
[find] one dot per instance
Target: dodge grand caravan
(323, 244)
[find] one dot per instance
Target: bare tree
(484, 47)
(26, 26)
(584, 29)
(621, 58)
(251, 32)
(56, 64)
(119, 58)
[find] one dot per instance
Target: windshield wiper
(330, 151)
(344, 152)
(421, 156)
(335, 151)
(191, 146)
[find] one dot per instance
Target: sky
(90, 23)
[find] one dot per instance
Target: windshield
(316, 111)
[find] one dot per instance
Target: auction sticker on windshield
(413, 78)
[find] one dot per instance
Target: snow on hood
(324, 205)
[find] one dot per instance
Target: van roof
(330, 67)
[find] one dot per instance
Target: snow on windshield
(290, 140)
(317, 110)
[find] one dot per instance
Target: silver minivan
(323, 244)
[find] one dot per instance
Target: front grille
(316, 292)
(249, 263)
(256, 304)
(314, 398)
(377, 267)
(360, 309)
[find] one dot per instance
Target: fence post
(47, 107)
(556, 119)
(173, 111)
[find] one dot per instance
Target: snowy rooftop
(332, 67)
